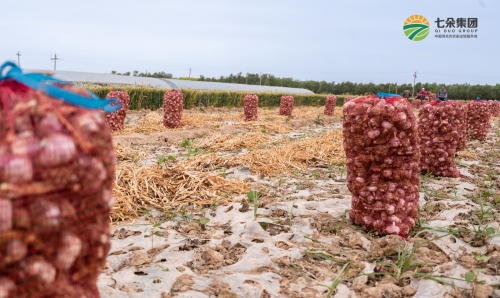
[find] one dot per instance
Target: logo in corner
(416, 27)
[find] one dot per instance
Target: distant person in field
(442, 94)
(421, 94)
(406, 93)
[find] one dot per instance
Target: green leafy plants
(152, 233)
(253, 197)
(223, 172)
(287, 119)
(471, 278)
(162, 159)
(481, 229)
(290, 213)
(342, 171)
(319, 120)
(337, 228)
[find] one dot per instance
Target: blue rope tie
(41, 83)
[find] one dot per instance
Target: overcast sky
(351, 40)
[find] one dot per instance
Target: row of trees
(455, 91)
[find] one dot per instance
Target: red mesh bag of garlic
(478, 119)
(438, 131)
(56, 175)
(381, 145)
(250, 105)
(286, 105)
(116, 119)
(330, 103)
(462, 126)
(172, 109)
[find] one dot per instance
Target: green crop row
(152, 98)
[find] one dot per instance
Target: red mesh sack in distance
(56, 175)
(347, 99)
(462, 128)
(172, 109)
(116, 119)
(381, 145)
(478, 119)
(250, 107)
(286, 105)
(495, 108)
(438, 131)
(330, 103)
(416, 103)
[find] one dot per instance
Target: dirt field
(222, 208)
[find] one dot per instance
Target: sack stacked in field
(438, 130)
(56, 176)
(347, 99)
(330, 103)
(432, 96)
(381, 145)
(462, 128)
(495, 108)
(286, 105)
(416, 103)
(172, 109)
(116, 119)
(250, 105)
(478, 119)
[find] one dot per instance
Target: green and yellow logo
(416, 27)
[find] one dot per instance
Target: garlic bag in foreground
(439, 133)
(250, 105)
(56, 175)
(172, 109)
(116, 119)
(478, 119)
(330, 103)
(286, 105)
(381, 145)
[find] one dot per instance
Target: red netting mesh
(330, 103)
(438, 131)
(381, 145)
(416, 103)
(172, 109)
(347, 99)
(495, 108)
(478, 119)
(250, 105)
(116, 119)
(431, 96)
(462, 127)
(56, 172)
(286, 105)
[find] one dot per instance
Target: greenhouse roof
(111, 79)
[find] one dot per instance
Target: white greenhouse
(111, 79)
